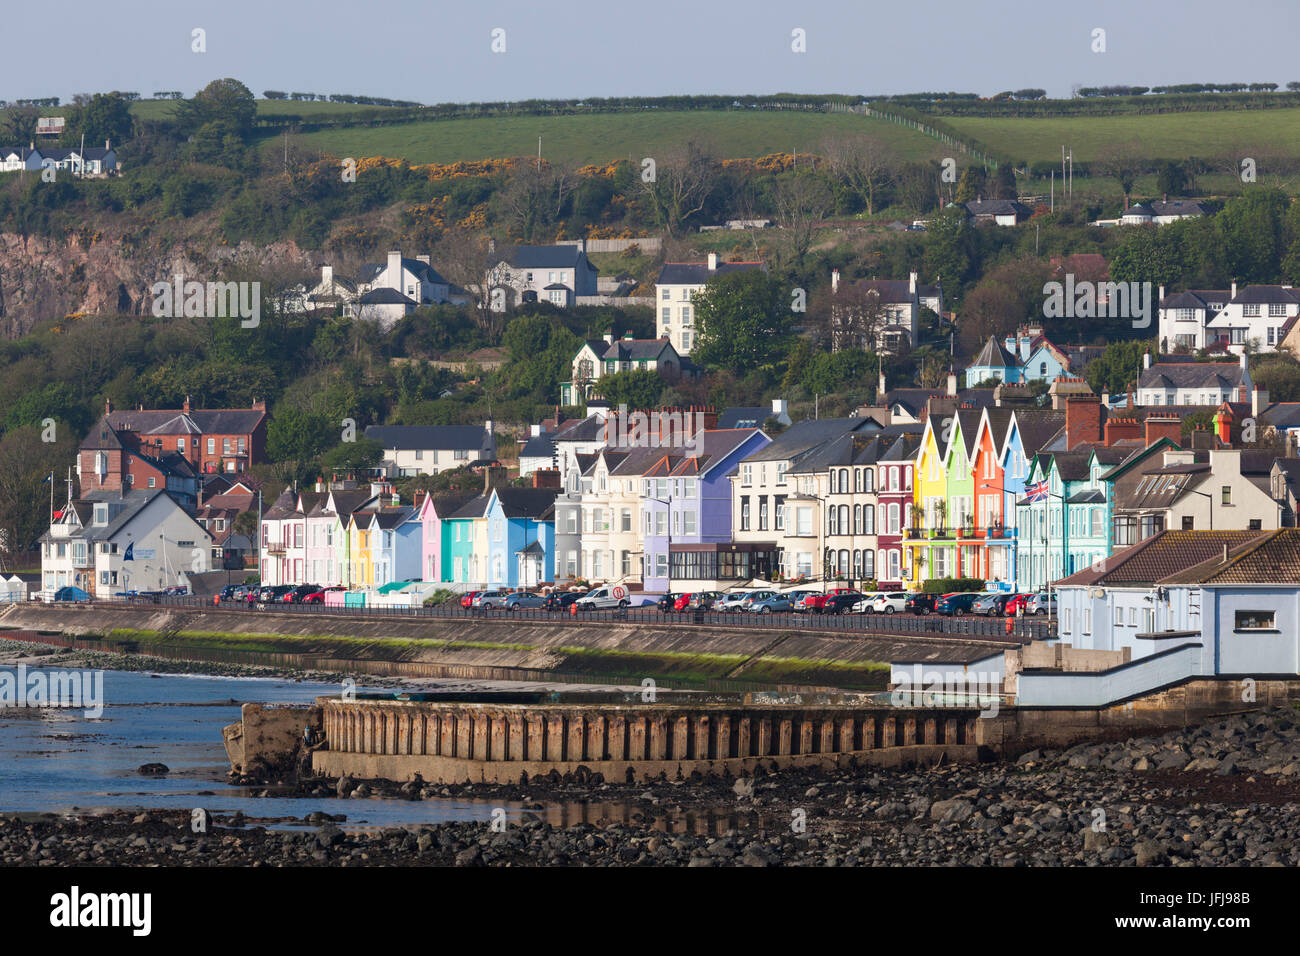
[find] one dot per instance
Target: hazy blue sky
(436, 52)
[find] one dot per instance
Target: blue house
(694, 489)
(521, 537)
(1028, 431)
(994, 361)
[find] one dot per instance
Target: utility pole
(539, 154)
(1053, 190)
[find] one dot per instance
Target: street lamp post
(1209, 497)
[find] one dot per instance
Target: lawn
(1162, 136)
(602, 138)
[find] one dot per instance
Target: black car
(667, 603)
(841, 603)
(271, 593)
(295, 595)
(922, 603)
(560, 600)
(228, 592)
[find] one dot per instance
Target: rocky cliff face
(95, 273)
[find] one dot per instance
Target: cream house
(676, 287)
(429, 449)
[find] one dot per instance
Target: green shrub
(950, 585)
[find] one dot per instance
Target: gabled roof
(476, 507)
(1192, 375)
(421, 270)
(631, 350)
(209, 421)
(1264, 294)
(698, 273)
(804, 436)
(386, 296)
(1159, 557)
(1271, 558)
(998, 207)
(547, 257)
(530, 503)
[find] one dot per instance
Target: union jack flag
(1037, 491)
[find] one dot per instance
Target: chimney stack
(952, 384)
(911, 283)
(835, 280)
(1119, 429)
(1146, 360)
(108, 405)
(1164, 426)
(395, 269)
(1234, 288)
(713, 262)
(1258, 401)
(1082, 420)
(547, 478)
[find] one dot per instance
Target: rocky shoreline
(1147, 802)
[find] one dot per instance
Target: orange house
(995, 556)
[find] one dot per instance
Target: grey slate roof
(421, 270)
(801, 437)
(631, 350)
(697, 273)
(995, 355)
(547, 257)
(1225, 375)
(386, 296)
(209, 421)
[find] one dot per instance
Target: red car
(1016, 604)
(683, 601)
(815, 602)
(467, 599)
(318, 596)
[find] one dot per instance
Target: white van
(608, 595)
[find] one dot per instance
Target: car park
(522, 600)
(960, 602)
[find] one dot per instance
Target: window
(1276, 309)
(1254, 621)
(688, 522)
(746, 474)
(1250, 309)
(803, 521)
(1119, 616)
(780, 473)
(1256, 524)
(1087, 620)
(778, 523)
(1189, 523)
(744, 514)
(1227, 494)
(625, 521)
(762, 514)
(151, 481)
(1067, 620)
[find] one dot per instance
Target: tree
(681, 186)
(103, 117)
(1121, 162)
(1118, 366)
(19, 127)
(1253, 229)
(297, 435)
(852, 316)
(353, 457)
(635, 388)
(25, 462)
(468, 259)
(744, 321)
(863, 163)
(802, 202)
(226, 103)
(1172, 178)
(1004, 182)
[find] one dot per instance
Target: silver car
(523, 599)
(1038, 604)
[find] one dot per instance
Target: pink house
(432, 508)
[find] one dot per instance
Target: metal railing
(1022, 629)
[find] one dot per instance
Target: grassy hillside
(601, 138)
(1167, 136)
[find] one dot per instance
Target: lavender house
(686, 514)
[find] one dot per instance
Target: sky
(435, 52)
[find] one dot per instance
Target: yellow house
(929, 502)
(360, 530)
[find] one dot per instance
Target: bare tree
(474, 263)
(681, 185)
(802, 202)
(864, 162)
(851, 316)
(1121, 162)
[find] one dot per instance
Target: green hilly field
(606, 137)
(1164, 135)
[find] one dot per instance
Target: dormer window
(101, 514)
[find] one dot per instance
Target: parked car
(467, 599)
(560, 600)
(177, 590)
(992, 604)
(70, 593)
(773, 604)
(1040, 604)
(272, 593)
(229, 592)
(753, 596)
(317, 596)
(703, 600)
(840, 603)
(921, 603)
(296, 594)
(1016, 603)
(891, 602)
(867, 603)
(606, 596)
(731, 601)
(487, 600)
(668, 602)
(524, 599)
(958, 603)
(816, 602)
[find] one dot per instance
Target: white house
(554, 274)
(897, 302)
(1258, 315)
(108, 541)
(1183, 316)
(1184, 605)
(428, 449)
(1161, 212)
(676, 286)
(1001, 212)
(1193, 383)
